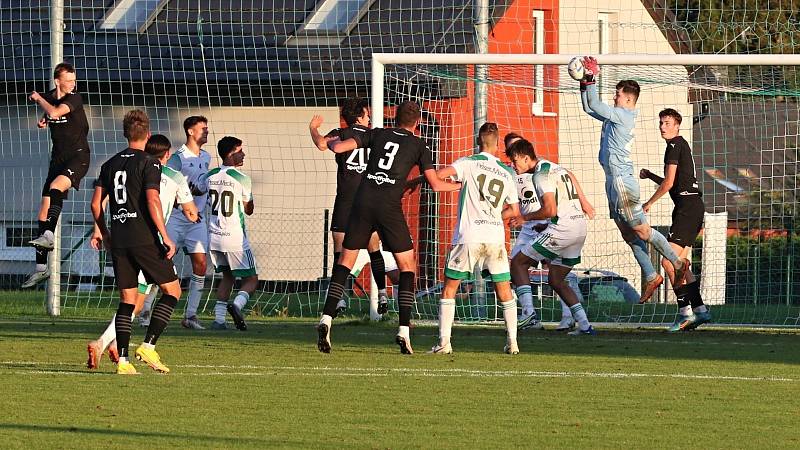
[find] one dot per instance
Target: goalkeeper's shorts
(623, 200)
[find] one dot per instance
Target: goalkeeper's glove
(591, 68)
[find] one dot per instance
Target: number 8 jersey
(228, 190)
(488, 185)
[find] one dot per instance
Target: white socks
(510, 316)
(220, 310)
(447, 314)
(580, 316)
(565, 311)
(241, 299)
(196, 284)
(110, 333)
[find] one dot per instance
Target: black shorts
(341, 213)
(687, 220)
(72, 165)
(151, 260)
(388, 221)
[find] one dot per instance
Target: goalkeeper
(621, 186)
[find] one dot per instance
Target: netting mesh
(259, 70)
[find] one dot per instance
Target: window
(131, 15)
(330, 22)
(537, 21)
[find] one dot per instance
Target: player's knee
(199, 267)
(172, 289)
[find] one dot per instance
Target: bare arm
(249, 207)
(339, 146)
(157, 216)
(647, 175)
(190, 211)
(99, 199)
(669, 180)
(547, 210)
(319, 140)
(439, 185)
(53, 111)
(586, 206)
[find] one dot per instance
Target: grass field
(270, 387)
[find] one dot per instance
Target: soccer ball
(575, 68)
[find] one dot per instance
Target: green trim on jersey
(508, 169)
(213, 171)
(544, 167)
(241, 177)
(478, 157)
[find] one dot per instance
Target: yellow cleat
(152, 359)
(126, 368)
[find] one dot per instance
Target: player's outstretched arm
(319, 140)
(157, 216)
(98, 214)
(339, 146)
(548, 209)
(438, 184)
(669, 180)
(647, 175)
(54, 112)
(586, 206)
(249, 207)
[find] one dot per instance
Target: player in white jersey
(173, 190)
(230, 197)
(563, 203)
(192, 161)
(480, 235)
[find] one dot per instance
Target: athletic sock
(159, 318)
(580, 316)
(643, 258)
(241, 299)
(335, 289)
(41, 254)
(220, 310)
(695, 298)
(510, 317)
(122, 326)
(447, 314)
(110, 333)
(54, 211)
(525, 298)
(682, 297)
(662, 245)
(565, 311)
(378, 268)
(406, 297)
(196, 284)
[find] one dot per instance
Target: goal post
(609, 277)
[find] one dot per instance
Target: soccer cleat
(95, 351)
(126, 368)
(45, 241)
(566, 324)
(113, 354)
(144, 319)
(238, 318)
(587, 332)
(323, 338)
(219, 325)
(441, 350)
(383, 304)
(529, 322)
(682, 323)
(35, 278)
(150, 356)
(192, 323)
(680, 273)
(341, 307)
(511, 348)
(700, 318)
(405, 345)
(650, 288)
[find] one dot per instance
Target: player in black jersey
(69, 161)
(377, 207)
(350, 167)
(138, 240)
(680, 181)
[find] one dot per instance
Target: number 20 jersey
(228, 190)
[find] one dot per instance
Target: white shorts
(241, 263)
(491, 258)
(560, 243)
(525, 238)
(191, 237)
(363, 259)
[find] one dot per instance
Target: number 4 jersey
(228, 190)
(488, 185)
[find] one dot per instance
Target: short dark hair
(630, 87)
(226, 145)
(669, 112)
(61, 68)
(521, 147)
(353, 108)
(136, 125)
(157, 146)
(510, 137)
(192, 121)
(408, 113)
(487, 130)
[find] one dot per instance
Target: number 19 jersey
(487, 185)
(228, 190)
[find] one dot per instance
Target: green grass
(270, 387)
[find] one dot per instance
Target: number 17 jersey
(228, 190)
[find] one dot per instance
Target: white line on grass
(251, 370)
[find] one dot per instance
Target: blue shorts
(623, 200)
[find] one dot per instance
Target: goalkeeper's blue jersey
(616, 139)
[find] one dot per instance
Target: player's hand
(42, 123)
(316, 121)
(591, 66)
(96, 241)
(35, 96)
(516, 221)
(644, 174)
(646, 207)
(169, 245)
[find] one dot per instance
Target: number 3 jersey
(550, 177)
(228, 190)
(487, 185)
(126, 177)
